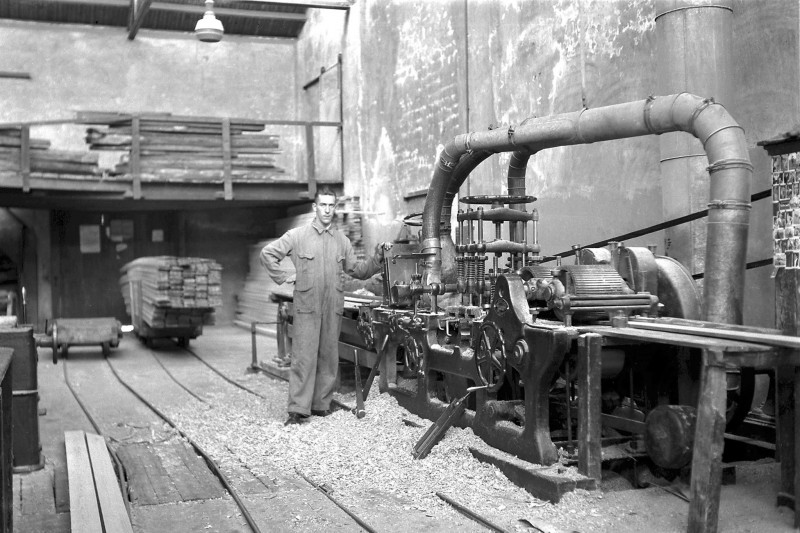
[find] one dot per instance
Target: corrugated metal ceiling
(239, 17)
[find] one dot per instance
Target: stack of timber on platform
(41, 159)
(174, 291)
(180, 148)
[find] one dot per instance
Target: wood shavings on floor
(363, 461)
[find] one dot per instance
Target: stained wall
(418, 73)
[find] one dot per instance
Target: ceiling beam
(228, 12)
(137, 13)
(316, 4)
(223, 11)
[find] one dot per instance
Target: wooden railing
(216, 151)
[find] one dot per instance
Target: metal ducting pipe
(725, 147)
(465, 166)
(517, 168)
(695, 55)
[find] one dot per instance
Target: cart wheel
(106, 349)
(183, 342)
(55, 344)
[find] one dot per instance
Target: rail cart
(62, 333)
(183, 332)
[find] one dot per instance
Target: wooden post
(590, 453)
(311, 161)
(226, 158)
(25, 157)
(708, 444)
(786, 381)
(135, 159)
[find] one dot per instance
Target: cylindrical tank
(26, 445)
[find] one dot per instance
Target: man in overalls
(321, 255)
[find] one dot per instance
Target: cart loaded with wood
(171, 297)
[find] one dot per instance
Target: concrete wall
(449, 67)
(767, 83)
(79, 67)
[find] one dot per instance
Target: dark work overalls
(320, 257)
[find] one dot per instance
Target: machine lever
(373, 372)
(450, 416)
(359, 410)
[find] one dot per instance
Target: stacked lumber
(183, 148)
(42, 158)
(254, 303)
(167, 291)
(350, 223)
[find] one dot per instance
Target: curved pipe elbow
(431, 215)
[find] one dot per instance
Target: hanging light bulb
(209, 28)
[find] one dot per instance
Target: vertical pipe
(693, 55)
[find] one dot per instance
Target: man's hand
(291, 279)
(381, 248)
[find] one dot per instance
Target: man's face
(325, 206)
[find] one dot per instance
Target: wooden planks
(167, 473)
(179, 148)
(95, 500)
(166, 291)
(114, 514)
(83, 505)
(21, 153)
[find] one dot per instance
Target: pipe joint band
(722, 128)
(468, 142)
(446, 164)
(706, 103)
(511, 136)
(578, 133)
(648, 109)
(431, 243)
(729, 204)
(686, 8)
(685, 156)
(727, 164)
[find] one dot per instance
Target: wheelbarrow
(62, 333)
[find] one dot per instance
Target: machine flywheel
(490, 357)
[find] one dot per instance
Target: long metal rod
(471, 514)
(340, 505)
(784, 341)
(656, 227)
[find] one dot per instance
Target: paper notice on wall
(90, 239)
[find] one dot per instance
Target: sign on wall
(90, 239)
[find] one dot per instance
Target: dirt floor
(365, 463)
